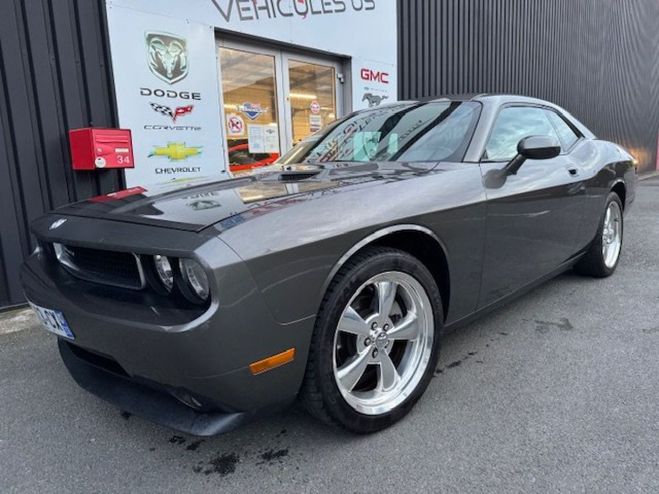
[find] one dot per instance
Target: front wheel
(376, 341)
(602, 257)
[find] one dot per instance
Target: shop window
(249, 89)
(312, 97)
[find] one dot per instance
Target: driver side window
(511, 126)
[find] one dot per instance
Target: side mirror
(534, 148)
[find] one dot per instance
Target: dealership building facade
(215, 88)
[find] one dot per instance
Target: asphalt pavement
(556, 392)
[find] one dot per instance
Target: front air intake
(120, 269)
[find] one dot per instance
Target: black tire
(320, 393)
(592, 263)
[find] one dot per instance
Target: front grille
(122, 269)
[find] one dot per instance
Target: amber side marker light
(272, 362)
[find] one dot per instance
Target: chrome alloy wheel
(612, 234)
(383, 342)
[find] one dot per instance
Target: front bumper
(145, 399)
(161, 353)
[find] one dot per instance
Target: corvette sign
(167, 94)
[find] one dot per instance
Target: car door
(533, 215)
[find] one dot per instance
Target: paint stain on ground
(494, 339)
(126, 415)
(177, 439)
(457, 363)
(193, 446)
(543, 327)
(152, 449)
(270, 456)
(222, 465)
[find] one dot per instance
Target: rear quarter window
(566, 135)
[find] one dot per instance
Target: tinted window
(406, 132)
(565, 133)
(511, 126)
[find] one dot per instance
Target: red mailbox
(93, 148)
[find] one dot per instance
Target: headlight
(195, 278)
(164, 271)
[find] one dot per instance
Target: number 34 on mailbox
(93, 148)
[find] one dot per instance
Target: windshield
(434, 131)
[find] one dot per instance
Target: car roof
(492, 101)
(498, 98)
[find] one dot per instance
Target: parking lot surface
(557, 391)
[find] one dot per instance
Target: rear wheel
(602, 257)
(376, 341)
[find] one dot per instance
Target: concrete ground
(557, 392)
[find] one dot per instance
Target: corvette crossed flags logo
(172, 113)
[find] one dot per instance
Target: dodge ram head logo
(167, 56)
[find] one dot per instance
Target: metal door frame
(315, 60)
(282, 85)
(279, 89)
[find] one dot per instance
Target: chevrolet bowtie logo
(176, 151)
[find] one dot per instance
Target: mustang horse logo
(373, 99)
(167, 56)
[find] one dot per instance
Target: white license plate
(54, 321)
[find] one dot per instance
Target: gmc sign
(375, 76)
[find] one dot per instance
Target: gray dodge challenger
(332, 275)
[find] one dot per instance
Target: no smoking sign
(235, 125)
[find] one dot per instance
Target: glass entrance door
(272, 100)
(251, 108)
(311, 98)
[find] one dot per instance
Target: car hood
(197, 204)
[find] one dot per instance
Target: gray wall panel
(597, 58)
(54, 76)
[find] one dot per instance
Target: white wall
(362, 31)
